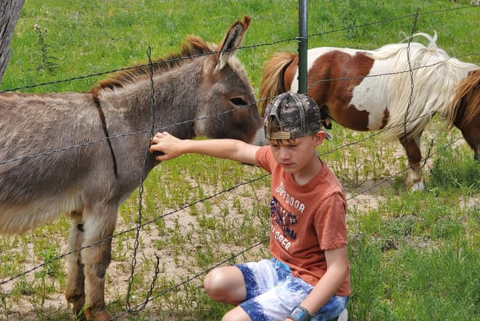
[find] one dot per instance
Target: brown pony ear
(231, 41)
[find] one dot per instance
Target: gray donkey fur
(41, 177)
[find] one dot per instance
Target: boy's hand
(167, 144)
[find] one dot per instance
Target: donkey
(85, 153)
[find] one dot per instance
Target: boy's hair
(290, 116)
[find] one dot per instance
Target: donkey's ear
(231, 42)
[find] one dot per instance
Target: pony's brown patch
(386, 117)
(331, 86)
(466, 104)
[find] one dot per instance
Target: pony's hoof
(80, 316)
(98, 315)
(418, 186)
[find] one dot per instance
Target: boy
(308, 277)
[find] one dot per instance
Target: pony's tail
(466, 103)
(272, 81)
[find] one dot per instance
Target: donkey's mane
(192, 48)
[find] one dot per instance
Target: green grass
(413, 255)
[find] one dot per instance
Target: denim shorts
(272, 292)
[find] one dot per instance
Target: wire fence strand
(130, 309)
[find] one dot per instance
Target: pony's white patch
(373, 96)
(420, 186)
(419, 86)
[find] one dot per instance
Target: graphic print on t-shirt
(283, 218)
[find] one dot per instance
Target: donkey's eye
(238, 101)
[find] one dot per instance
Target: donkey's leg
(75, 290)
(413, 177)
(99, 226)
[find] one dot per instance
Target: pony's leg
(75, 289)
(99, 226)
(472, 136)
(413, 177)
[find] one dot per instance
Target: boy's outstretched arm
(231, 149)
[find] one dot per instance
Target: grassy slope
(413, 256)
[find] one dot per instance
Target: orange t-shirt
(306, 220)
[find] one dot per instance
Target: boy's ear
(319, 137)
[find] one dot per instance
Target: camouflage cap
(297, 115)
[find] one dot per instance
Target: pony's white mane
(426, 75)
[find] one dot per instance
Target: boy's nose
(284, 154)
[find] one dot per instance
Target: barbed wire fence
(150, 296)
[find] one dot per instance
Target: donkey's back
(45, 158)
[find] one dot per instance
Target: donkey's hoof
(77, 302)
(97, 315)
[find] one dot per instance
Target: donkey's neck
(173, 96)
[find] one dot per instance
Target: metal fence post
(302, 46)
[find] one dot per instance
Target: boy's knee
(225, 285)
(213, 284)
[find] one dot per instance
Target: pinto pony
(367, 90)
(201, 91)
